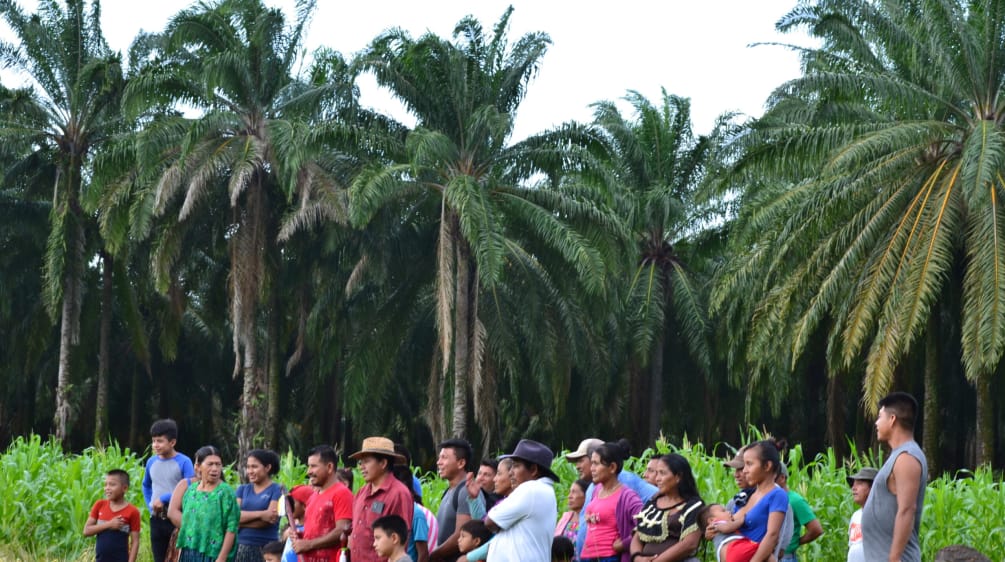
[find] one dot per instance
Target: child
(714, 517)
(297, 500)
(163, 472)
(115, 521)
(473, 539)
(562, 549)
(390, 536)
(273, 551)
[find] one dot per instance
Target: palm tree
(458, 160)
(881, 171)
(235, 61)
(658, 165)
(72, 108)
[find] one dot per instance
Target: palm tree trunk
(272, 387)
(69, 329)
(462, 339)
(836, 435)
(985, 427)
(930, 431)
(656, 386)
(101, 398)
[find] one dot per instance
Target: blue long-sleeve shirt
(162, 475)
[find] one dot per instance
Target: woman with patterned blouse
(667, 527)
(210, 514)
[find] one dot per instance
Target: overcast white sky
(699, 49)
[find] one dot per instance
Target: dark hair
(345, 474)
(704, 513)
(477, 529)
(274, 547)
(122, 475)
(614, 453)
(462, 450)
(583, 484)
(393, 525)
(903, 406)
(325, 453)
(767, 451)
(206, 451)
(164, 428)
(491, 463)
(562, 549)
(682, 469)
(267, 458)
(403, 451)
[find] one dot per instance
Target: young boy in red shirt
(115, 521)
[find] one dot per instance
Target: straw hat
(378, 446)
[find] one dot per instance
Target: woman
(610, 515)
(667, 527)
(568, 523)
(209, 513)
(259, 503)
(760, 520)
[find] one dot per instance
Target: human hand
(618, 545)
(301, 546)
(710, 531)
(157, 505)
(270, 515)
(472, 485)
(116, 523)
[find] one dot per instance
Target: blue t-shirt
(161, 476)
(420, 531)
(755, 524)
(250, 501)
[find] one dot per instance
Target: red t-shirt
(390, 498)
(114, 543)
(323, 510)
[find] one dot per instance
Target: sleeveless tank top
(881, 509)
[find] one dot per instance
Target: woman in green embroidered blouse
(666, 529)
(210, 514)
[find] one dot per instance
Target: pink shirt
(601, 525)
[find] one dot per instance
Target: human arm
(769, 543)
(93, 526)
(134, 545)
(449, 546)
(813, 531)
(478, 554)
(907, 481)
(629, 504)
(421, 551)
(684, 549)
(175, 505)
(476, 503)
(148, 487)
(328, 540)
(260, 519)
(228, 543)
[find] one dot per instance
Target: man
(892, 514)
(861, 483)
(454, 511)
(581, 459)
(803, 516)
(525, 522)
(744, 490)
(329, 511)
(486, 481)
(381, 495)
(650, 474)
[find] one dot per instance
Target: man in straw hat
(525, 522)
(861, 485)
(382, 495)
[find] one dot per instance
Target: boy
(473, 539)
(115, 521)
(273, 551)
(390, 536)
(298, 498)
(163, 472)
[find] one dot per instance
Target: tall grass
(47, 496)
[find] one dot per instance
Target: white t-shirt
(527, 519)
(855, 552)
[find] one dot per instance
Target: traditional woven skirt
(249, 553)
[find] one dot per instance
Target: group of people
(505, 509)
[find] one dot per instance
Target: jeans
(789, 558)
(160, 536)
(604, 559)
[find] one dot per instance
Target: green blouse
(207, 517)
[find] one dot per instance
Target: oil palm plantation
(240, 166)
(68, 111)
(659, 164)
(459, 167)
(881, 177)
